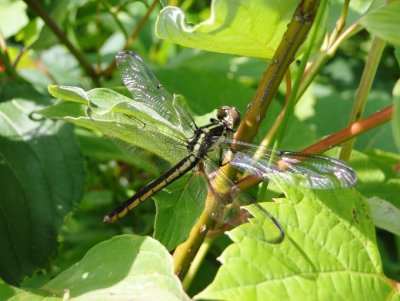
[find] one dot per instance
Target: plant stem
(295, 35)
(194, 267)
(293, 38)
(340, 23)
(367, 77)
(288, 112)
(273, 130)
(185, 252)
(35, 5)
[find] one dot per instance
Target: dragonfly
(161, 118)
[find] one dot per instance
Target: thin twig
(35, 5)
(323, 57)
(340, 23)
(367, 77)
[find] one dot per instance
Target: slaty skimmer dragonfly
(160, 118)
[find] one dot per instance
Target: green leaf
(41, 172)
(178, 207)
(246, 28)
(12, 17)
(122, 268)
(11, 293)
(68, 93)
(376, 175)
(384, 22)
(385, 215)
(116, 116)
(329, 252)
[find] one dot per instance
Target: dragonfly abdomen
(153, 187)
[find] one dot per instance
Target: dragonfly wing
(231, 201)
(293, 168)
(129, 133)
(145, 88)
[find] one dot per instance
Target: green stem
(293, 38)
(194, 267)
(367, 77)
(340, 23)
(292, 99)
(186, 252)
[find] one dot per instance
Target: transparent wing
(129, 133)
(293, 168)
(231, 201)
(145, 88)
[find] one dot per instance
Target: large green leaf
(41, 172)
(126, 267)
(246, 28)
(329, 253)
(114, 115)
(384, 22)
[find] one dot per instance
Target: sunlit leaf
(246, 28)
(329, 253)
(114, 115)
(68, 93)
(12, 17)
(125, 267)
(384, 22)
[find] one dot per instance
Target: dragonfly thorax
(208, 137)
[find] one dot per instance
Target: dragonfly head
(230, 116)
